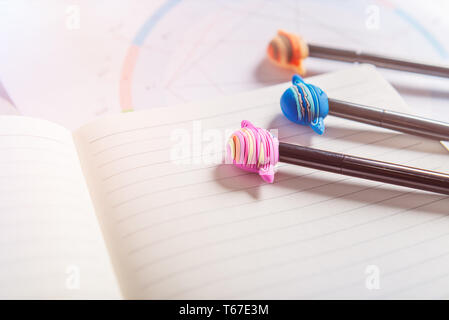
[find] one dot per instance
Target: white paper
(196, 229)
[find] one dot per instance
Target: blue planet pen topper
(305, 104)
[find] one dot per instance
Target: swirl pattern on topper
(254, 149)
(288, 50)
(305, 104)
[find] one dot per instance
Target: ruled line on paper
(283, 123)
(293, 225)
(97, 153)
(182, 121)
(54, 190)
(34, 136)
(115, 206)
(406, 268)
(324, 271)
(242, 220)
(37, 205)
(207, 196)
(301, 240)
(157, 177)
(144, 228)
(291, 243)
(368, 260)
(430, 281)
(363, 261)
(241, 204)
(30, 161)
(149, 245)
(38, 176)
(260, 216)
(57, 259)
(133, 155)
(33, 148)
(146, 265)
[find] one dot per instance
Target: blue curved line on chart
(153, 20)
(424, 32)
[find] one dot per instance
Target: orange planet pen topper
(288, 50)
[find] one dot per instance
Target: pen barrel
(410, 124)
(364, 168)
(377, 60)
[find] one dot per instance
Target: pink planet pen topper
(254, 149)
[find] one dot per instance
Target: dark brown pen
(289, 50)
(364, 168)
(257, 150)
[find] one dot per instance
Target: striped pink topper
(254, 149)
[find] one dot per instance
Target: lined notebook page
(194, 229)
(50, 242)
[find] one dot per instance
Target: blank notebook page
(181, 226)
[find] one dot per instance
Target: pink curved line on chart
(125, 90)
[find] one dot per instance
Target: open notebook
(113, 211)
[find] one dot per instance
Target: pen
(290, 50)
(307, 104)
(257, 150)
